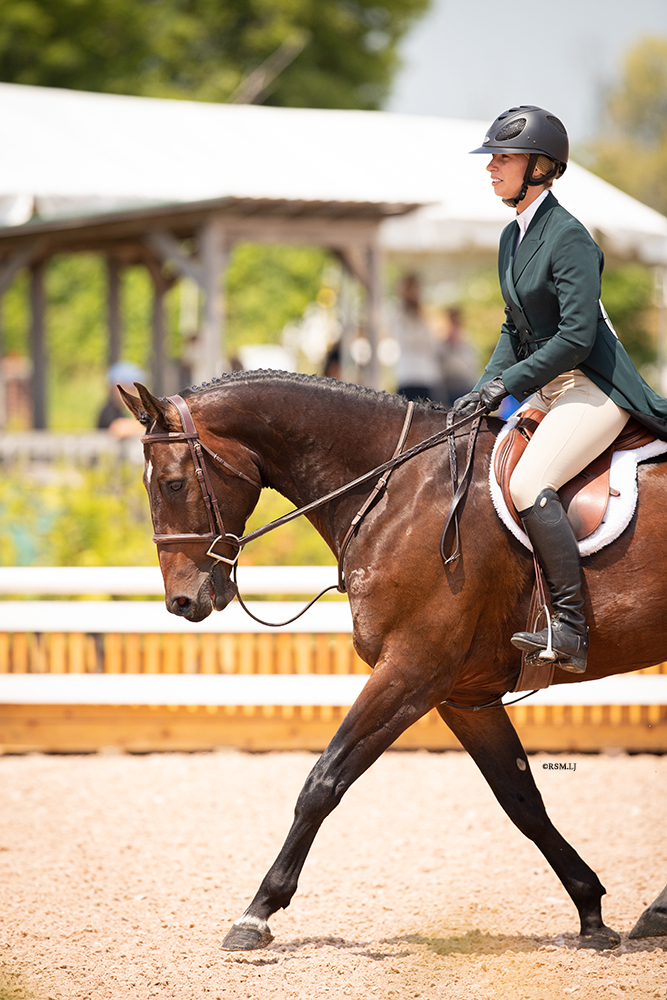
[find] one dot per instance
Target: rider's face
(507, 171)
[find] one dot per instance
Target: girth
(586, 495)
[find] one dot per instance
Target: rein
(351, 531)
(217, 532)
(387, 466)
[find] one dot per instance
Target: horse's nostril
(180, 605)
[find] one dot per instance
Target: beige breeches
(580, 422)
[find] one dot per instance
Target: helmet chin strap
(528, 181)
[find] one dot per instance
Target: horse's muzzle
(222, 589)
(186, 607)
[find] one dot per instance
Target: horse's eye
(175, 487)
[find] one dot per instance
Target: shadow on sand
(472, 942)
(476, 942)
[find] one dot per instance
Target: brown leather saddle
(586, 496)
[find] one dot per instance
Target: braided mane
(274, 377)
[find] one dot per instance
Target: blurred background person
(332, 363)
(114, 415)
(417, 368)
(458, 359)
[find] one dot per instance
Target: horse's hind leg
(385, 708)
(653, 921)
(492, 742)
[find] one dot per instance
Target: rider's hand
(464, 406)
(491, 394)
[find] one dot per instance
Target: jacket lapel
(534, 237)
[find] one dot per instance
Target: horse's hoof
(652, 923)
(601, 940)
(248, 934)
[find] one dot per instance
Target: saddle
(586, 496)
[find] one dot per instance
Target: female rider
(558, 347)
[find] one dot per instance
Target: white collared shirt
(527, 216)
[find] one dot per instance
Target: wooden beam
(84, 728)
(38, 345)
(330, 225)
(355, 261)
(168, 248)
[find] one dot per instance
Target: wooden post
(374, 309)
(37, 345)
(208, 361)
(348, 321)
(158, 357)
(113, 310)
(161, 286)
(3, 394)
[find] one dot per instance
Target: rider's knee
(524, 489)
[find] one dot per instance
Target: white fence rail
(95, 616)
(152, 616)
(279, 689)
(83, 449)
(147, 580)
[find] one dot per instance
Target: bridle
(216, 532)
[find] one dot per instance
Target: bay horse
(432, 632)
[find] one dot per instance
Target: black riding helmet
(532, 130)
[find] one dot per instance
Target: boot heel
(573, 665)
(570, 664)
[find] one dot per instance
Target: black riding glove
(464, 406)
(491, 394)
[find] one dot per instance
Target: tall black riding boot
(553, 540)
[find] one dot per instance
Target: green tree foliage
(100, 517)
(203, 49)
(267, 287)
(627, 293)
(97, 517)
(632, 152)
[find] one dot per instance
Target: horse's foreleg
(386, 707)
(492, 742)
(653, 921)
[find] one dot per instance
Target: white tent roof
(70, 151)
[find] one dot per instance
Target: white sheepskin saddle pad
(622, 477)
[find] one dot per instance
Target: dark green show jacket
(556, 278)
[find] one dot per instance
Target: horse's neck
(311, 440)
(334, 447)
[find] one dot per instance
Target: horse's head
(194, 510)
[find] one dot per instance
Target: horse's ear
(151, 408)
(135, 406)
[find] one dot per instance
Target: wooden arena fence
(109, 673)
